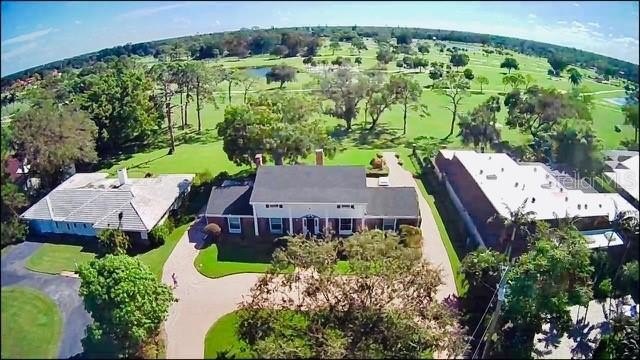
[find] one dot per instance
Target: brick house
(491, 184)
(309, 199)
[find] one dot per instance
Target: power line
(498, 289)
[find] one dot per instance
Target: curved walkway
(201, 300)
(63, 290)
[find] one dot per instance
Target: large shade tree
(52, 138)
(284, 126)
(455, 87)
(509, 63)
(387, 308)
(127, 302)
(479, 126)
(346, 89)
(407, 92)
(118, 100)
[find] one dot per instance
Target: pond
(617, 101)
(258, 71)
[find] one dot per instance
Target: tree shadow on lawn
(88, 244)
(381, 137)
(237, 249)
(191, 136)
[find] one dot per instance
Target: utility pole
(496, 313)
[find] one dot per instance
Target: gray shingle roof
(310, 184)
(392, 201)
(92, 198)
(230, 200)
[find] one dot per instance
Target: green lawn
(234, 256)
(222, 338)
(52, 258)
(31, 324)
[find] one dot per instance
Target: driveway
(63, 290)
(433, 249)
(201, 300)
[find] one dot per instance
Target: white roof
(94, 198)
(507, 184)
(627, 178)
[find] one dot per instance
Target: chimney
(258, 160)
(319, 157)
(123, 178)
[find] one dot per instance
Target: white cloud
(28, 37)
(594, 24)
(576, 4)
(18, 51)
(217, 22)
(77, 22)
(562, 22)
(532, 16)
(138, 13)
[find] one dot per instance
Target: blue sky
(35, 33)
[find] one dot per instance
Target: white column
(290, 222)
(326, 220)
(362, 227)
(255, 220)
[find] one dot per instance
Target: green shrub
(159, 234)
(114, 241)
(378, 172)
(202, 178)
(411, 236)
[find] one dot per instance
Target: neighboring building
(622, 169)
(483, 185)
(87, 203)
(313, 199)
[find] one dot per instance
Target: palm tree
(518, 220)
(575, 78)
(163, 73)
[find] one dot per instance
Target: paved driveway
(433, 248)
(63, 290)
(201, 300)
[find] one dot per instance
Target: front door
(310, 225)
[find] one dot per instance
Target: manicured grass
(231, 256)
(199, 152)
(222, 338)
(155, 258)
(31, 324)
(52, 258)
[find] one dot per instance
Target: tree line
(293, 41)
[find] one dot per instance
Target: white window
(269, 206)
(234, 225)
(275, 224)
(388, 224)
(346, 226)
(345, 206)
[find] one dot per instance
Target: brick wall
(473, 199)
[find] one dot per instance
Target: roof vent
(481, 171)
(516, 184)
(501, 169)
(561, 189)
(585, 206)
(492, 177)
(533, 200)
(579, 207)
(566, 199)
(600, 205)
(535, 169)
